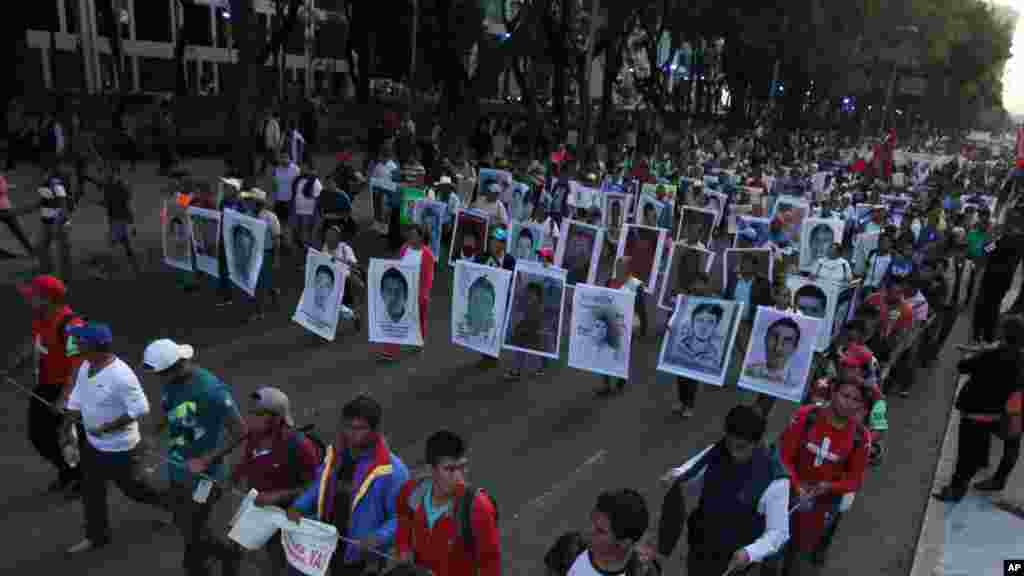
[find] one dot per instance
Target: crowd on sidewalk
(922, 240)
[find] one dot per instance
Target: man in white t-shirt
(306, 194)
(108, 400)
(834, 267)
(618, 524)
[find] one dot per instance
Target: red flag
(1020, 146)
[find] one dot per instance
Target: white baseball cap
(162, 354)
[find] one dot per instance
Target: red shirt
(56, 361)
(271, 469)
(440, 549)
(905, 320)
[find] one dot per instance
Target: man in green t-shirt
(197, 407)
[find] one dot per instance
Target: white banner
(309, 546)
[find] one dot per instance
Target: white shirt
(551, 232)
(582, 566)
(834, 269)
(112, 392)
(284, 177)
(307, 206)
(344, 253)
(51, 213)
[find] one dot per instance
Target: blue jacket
(373, 503)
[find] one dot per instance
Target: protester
(1003, 255)
(119, 203)
(834, 268)
(618, 524)
(55, 358)
(197, 408)
(265, 286)
(416, 250)
(357, 490)
(108, 400)
(355, 283)
(623, 280)
(10, 218)
(285, 173)
(306, 191)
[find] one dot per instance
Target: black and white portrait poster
(751, 232)
(699, 340)
(685, 264)
(648, 211)
(469, 236)
(863, 245)
(244, 242)
(205, 239)
(393, 297)
(177, 237)
(584, 197)
(320, 302)
(846, 300)
(779, 354)
(645, 246)
(749, 261)
(792, 212)
(430, 214)
(382, 191)
(495, 181)
(534, 319)
(816, 299)
(601, 330)
(817, 238)
(521, 207)
(579, 250)
(479, 298)
(613, 213)
(697, 225)
(715, 201)
(524, 240)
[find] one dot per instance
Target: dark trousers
(948, 316)
(14, 225)
(44, 431)
(54, 232)
(192, 520)
(986, 309)
(224, 281)
(123, 469)
(687, 392)
(974, 442)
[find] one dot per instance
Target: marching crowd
(763, 504)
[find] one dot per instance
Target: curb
(930, 547)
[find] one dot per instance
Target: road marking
(538, 502)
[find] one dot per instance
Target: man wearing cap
(256, 207)
(197, 407)
(497, 257)
(108, 400)
(278, 461)
(56, 358)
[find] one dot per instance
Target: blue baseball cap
(92, 333)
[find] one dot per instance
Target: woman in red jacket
(416, 249)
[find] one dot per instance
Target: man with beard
(742, 514)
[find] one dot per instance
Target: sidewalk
(971, 538)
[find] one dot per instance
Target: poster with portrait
(533, 322)
(469, 236)
(717, 202)
(645, 246)
(755, 261)
(497, 181)
(430, 214)
(381, 192)
(685, 264)
(863, 245)
(649, 211)
(410, 196)
(244, 239)
(320, 302)
(751, 232)
(579, 250)
(393, 296)
(524, 240)
(697, 225)
(792, 212)
(846, 298)
(521, 206)
(613, 213)
(779, 355)
(736, 211)
(698, 343)
(479, 298)
(584, 197)
(817, 238)
(177, 236)
(815, 299)
(601, 330)
(205, 239)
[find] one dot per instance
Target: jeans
(44, 431)
(124, 470)
(192, 520)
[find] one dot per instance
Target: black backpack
(463, 509)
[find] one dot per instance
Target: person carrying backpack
(444, 524)
(618, 523)
(278, 460)
(356, 489)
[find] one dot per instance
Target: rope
(224, 486)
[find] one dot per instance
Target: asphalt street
(544, 447)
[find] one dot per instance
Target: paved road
(544, 448)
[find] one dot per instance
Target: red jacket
(439, 549)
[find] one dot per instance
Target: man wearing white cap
(197, 407)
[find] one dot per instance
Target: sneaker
(687, 412)
(85, 546)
